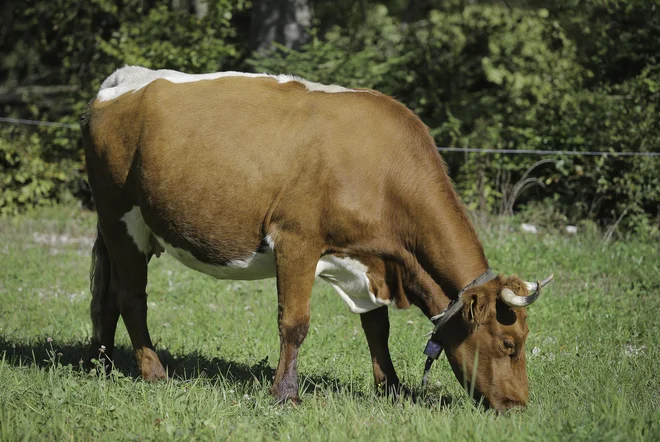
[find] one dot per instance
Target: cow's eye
(509, 346)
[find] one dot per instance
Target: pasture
(592, 350)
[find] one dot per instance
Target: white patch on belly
(134, 78)
(255, 266)
(347, 276)
(137, 229)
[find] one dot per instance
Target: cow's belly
(258, 265)
(347, 276)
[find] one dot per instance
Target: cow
(250, 176)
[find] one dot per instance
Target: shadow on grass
(187, 367)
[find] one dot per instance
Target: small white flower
(631, 350)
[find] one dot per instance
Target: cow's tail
(99, 282)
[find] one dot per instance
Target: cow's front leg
(376, 326)
(296, 266)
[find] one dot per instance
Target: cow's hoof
(394, 391)
(154, 377)
(294, 401)
(283, 398)
(153, 373)
(388, 389)
(150, 366)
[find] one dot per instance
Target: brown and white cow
(250, 176)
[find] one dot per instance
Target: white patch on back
(134, 78)
(313, 87)
(346, 275)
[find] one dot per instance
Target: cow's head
(485, 341)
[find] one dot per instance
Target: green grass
(593, 372)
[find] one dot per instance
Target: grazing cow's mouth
(500, 404)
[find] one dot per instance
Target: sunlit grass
(592, 350)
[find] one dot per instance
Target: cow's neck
(448, 249)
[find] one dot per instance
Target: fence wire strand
(440, 149)
(37, 123)
(550, 152)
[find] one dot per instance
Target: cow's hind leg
(376, 326)
(296, 266)
(127, 296)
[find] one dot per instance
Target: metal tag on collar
(433, 349)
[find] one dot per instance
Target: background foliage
(575, 75)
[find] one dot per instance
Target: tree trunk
(181, 5)
(412, 12)
(201, 8)
(281, 21)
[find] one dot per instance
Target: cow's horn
(535, 286)
(513, 300)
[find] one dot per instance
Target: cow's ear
(476, 306)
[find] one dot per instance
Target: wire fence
(37, 123)
(550, 152)
(440, 149)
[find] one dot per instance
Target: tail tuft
(99, 281)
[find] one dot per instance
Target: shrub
(34, 173)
